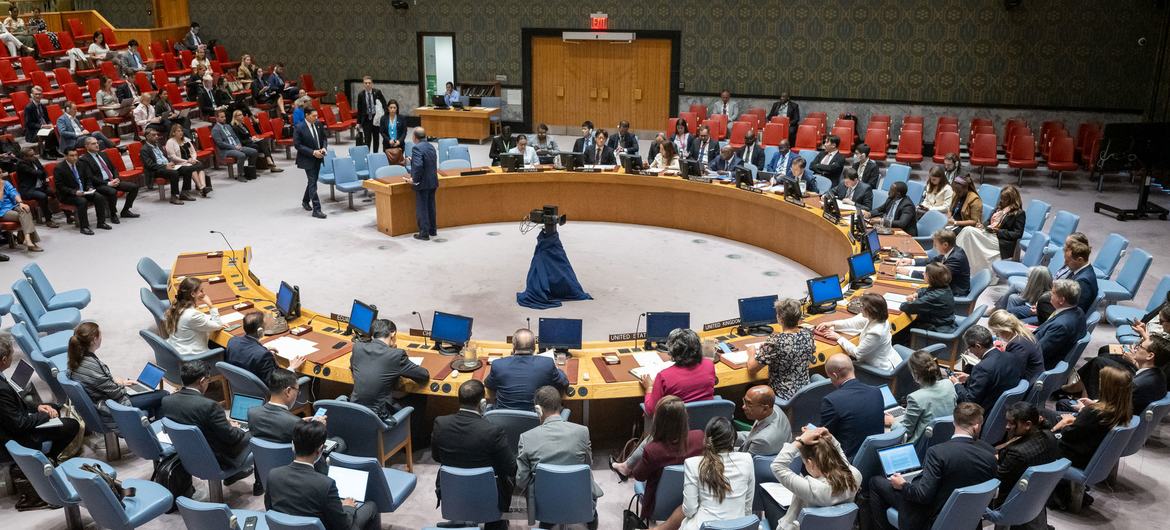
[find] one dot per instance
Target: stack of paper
(416, 360)
(779, 493)
(895, 301)
(291, 347)
(651, 371)
(736, 357)
(231, 318)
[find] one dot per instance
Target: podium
(551, 279)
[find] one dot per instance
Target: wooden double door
(604, 82)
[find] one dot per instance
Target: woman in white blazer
(829, 480)
(188, 328)
(875, 346)
(718, 485)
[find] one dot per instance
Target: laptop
(351, 483)
(21, 375)
(891, 405)
(900, 459)
(241, 404)
(148, 380)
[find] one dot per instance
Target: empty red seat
(845, 134)
(40, 79)
(753, 120)
(700, 110)
(1022, 155)
(310, 88)
(739, 131)
(72, 93)
(806, 138)
(45, 47)
(773, 133)
(944, 144)
(173, 68)
(1060, 158)
(221, 55)
(909, 146)
(112, 40)
(983, 153)
(878, 141)
(719, 131)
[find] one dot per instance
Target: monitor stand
(862, 283)
(447, 348)
(823, 308)
(466, 365)
(658, 346)
(279, 325)
(755, 331)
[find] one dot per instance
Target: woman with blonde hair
(1082, 433)
(188, 329)
(1019, 342)
(828, 479)
(1001, 235)
(182, 153)
(1026, 304)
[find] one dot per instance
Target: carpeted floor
(336, 259)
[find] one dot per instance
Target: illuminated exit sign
(598, 21)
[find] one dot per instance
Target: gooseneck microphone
(421, 325)
(528, 323)
(232, 259)
(637, 327)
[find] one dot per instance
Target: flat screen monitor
(560, 333)
(758, 311)
(241, 403)
(511, 161)
(873, 243)
(792, 192)
(570, 160)
(449, 328)
(286, 300)
(743, 176)
(659, 325)
(690, 168)
(632, 163)
(829, 204)
(861, 266)
(439, 101)
(362, 316)
(824, 290)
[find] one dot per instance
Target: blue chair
(493, 102)
(1064, 225)
(1093, 318)
(270, 455)
(995, 421)
(1129, 280)
(824, 185)
(241, 381)
(989, 194)
(514, 423)
(140, 434)
(903, 380)
(699, 413)
(805, 405)
(206, 515)
(41, 319)
(1033, 255)
(374, 162)
(964, 508)
(866, 460)
(50, 482)
(53, 300)
(1109, 255)
(391, 171)
(808, 155)
(668, 496)
(1100, 465)
(980, 281)
(839, 517)
(762, 467)
(6, 302)
(1047, 383)
(198, 459)
(150, 500)
(561, 494)
(348, 180)
(1075, 355)
(928, 224)
(1016, 284)
(749, 522)
(879, 196)
(169, 360)
(365, 434)
(1150, 418)
(387, 487)
(326, 175)
(358, 155)
(915, 189)
(454, 164)
(459, 152)
(93, 420)
(156, 277)
(283, 521)
(895, 173)
(937, 431)
(46, 368)
(953, 339)
(443, 147)
(156, 306)
(1118, 315)
(1035, 217)
(463, 494)
(51, 345)
(1029, 495)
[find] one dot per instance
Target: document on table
(416, 360)
(736, 357)
(292, 347)
(647, 358)
(231, 317)
(778, 492)
(651, 370)
(55, 422)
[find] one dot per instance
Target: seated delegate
(787, 353)
(188, 329)
(934, 398)
(513, 380)
(828, 478)
(528, 152)
(770, 428)
(875, 346)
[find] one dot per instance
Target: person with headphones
(468, 440)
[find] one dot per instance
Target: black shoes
(186, 196)
(104, 226)
(129, 214)
(176, 200)
(319, 214)
(422, 237)
(114, 220)
(87, 231)
(306, 206)
(4, 257)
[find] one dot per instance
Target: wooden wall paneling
(171, 13)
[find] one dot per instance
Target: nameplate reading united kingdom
(721, 324)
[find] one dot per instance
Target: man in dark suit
(1151, 356)
(600, 154)
(424, 179)
(1058, 335)
(501, 143)
(299, 489)
(1028, 444)
(514, 379)
(465, 439)
(1076, 259)
(852, 411)
(193, 40)
(752, 152)
(311, 144)
(36, 117)
(155, 165)
(786, 107)
(20, 419)
(898, 211)
(101, 173)
(726, 162)
(962, 461)
(703, 148)
(996, 373)
(624, 141)
(798, 173)
(781, 162)
(274, 421)
(278, 85)
(948, 254)
(247, 353)
(190, 406)
(367, 107)
(377, 365)
(129, 90)
(586, 139)
(74, 187)
(853, 191)
(866, 168)
(829, 161)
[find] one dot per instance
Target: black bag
(361, 138)
(115, 485)
(630, 518)
(26, 495)
(171, 475)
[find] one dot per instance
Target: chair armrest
(214, 352)
(401, 417)
(932, 334)
(303, 380)
(873, 371)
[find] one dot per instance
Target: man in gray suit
(554, 441)
(298, 489)
(771, 429)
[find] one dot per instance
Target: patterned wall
(1080, 54)
(121, 13)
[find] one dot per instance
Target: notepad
(651, 370)
(230, 318)
(736, 357)
(55, 422)
(416, 360)
(292, 347)
(778, 492)
(647, 358)
(894, 301)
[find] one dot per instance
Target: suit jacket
(93, 171)
(18, 419)
(151, 164)
(767, 436)
(465, 439)
(514, 379)
(997, 373)
(580, 144)
(210, 100)
(376, 370)
(399, 132)
(607, 156)
(862, 194)
(831, 170)
(905, 217)
(960, 268)
(1059, 334)
(781, 163)
(629, 143)
(935, 309)
(1028, 355)
(1018, 454)
(1149, 385)
(305, 145)
(500, 145)
(67, 133)
(755, 157)
(225, 137)
(365, 114)
(1011, 229)
(852, 412)
(1079, 441)
(66, 184)
(926, 404)
(696, 149)
(555, 441)
(127, 90)
(956, 463)
(298, 489)
(191, 43)
(35, 116)
(424, 167)
(729, 165)
(870, 174)
(1087, 278)
(31, 176)
(272, 422)
(732, 110)
(188, 406)
(247, 353)
(793, 113)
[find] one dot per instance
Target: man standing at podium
(310, 143)
(424, 178)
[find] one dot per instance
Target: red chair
(913, 119)
(909, 146)
(845, 134)
(216, 69)
(278, 134)
(692, 120)
(759, 111)
(912, 126)
(773, 133)
(20, 100)
(252, 130)
(719, 132)
(1023, 155)
(1010, 142)
(670, 123)
(109, 71)
(699, 110)
(40, 79)
(112, 40)
(61, 76)
(948, 120)
(7, 121)
(72, 93)
(45, 48)
(983, 153)
(1060, 158)
(819, 115)
(782, 120)
(186, 57)
(332, 124)
(156, 52)
(177, 100)
(879, 118)
(752, 120)
(346, 114)
(173, 69)
(78, 31)
(205, 142)
(142, 81)
(91, 125)
(222, 56)
(944, 144)
(806, 138)
(8, 75)
(205, 152)
(878, 141)
(739, 131)
(134, 171)
(1083, 130)
(311, 89)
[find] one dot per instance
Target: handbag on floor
(631, 520)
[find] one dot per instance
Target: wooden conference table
(763, 220)
(472, 123)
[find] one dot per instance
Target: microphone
(637, 327)
(423, 326)
(232, 259)
(528, 323)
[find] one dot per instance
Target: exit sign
(599, 21)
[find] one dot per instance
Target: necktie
(313, 131)
(76, 177)
(370, 103)
(158, 156)
(783, 169)
(195, 39)
(137, 61)
(231, 135)
(102, 164)
(598, 155)
(849, 193)
(211, 96)
(893, 210)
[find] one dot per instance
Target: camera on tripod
(549, 216)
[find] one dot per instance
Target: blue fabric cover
(550, 277)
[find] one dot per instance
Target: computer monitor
(688, 168)
(861, 269)
(757, 313)
(241, 403)
(439, 101)
(511, 161)
(743, 177)
(659, 326)
(561, 334)
(632, 163)
(288, 301)
(899, 459)
(570, 160)
(792, 192)
(873, 243)
(361, 317)
(823, 292)
(829, 206)
(450, 332)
